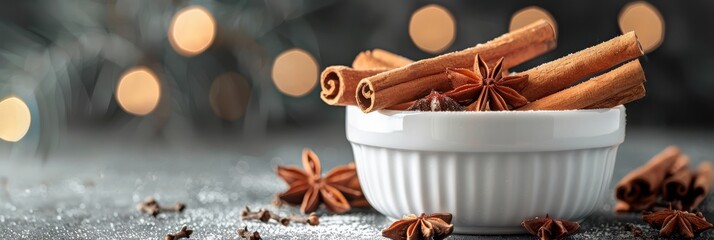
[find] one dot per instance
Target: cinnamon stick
(622, 207)
(701, 184)
(640, 187)
(593, 91)
(338, 84)
(379, 58)
(556, 75)
(627, 96)
(401, 106)
(415, 80)
(676, 185)
(680, 164)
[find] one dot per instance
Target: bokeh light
(229, 96)
(138, 91)
(646, 21)
(529, 15)
(192, 30)
(14, 119)
(295, 72)
(432, 28)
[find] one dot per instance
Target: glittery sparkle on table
(88, 189)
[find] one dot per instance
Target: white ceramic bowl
(491, 170)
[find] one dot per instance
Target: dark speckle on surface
(92, 193)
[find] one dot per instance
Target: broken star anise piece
(435, 226)
(485, 88)
(670, 221)
(549, 228)
(436, 102)
(308, 188)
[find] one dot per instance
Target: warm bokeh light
(138, 91)
(192, 30)
(432, 28)
(295, 72)
(229, 96)
(14, 119)
(529, 15)
(646, 21)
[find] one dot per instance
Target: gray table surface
(89, 185)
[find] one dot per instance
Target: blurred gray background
(85, 160)
(64, 59)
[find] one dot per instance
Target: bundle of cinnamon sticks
(665, 179)
(382, 80)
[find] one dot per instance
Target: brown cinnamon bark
(401, 106)
(593, 91)
(622, 207)
(676, 184)
(556, 75)
(338, 84)
(640, 187)
(379, 58)
(416, 80)
(701, 184)
(621, 98)
(680, 164)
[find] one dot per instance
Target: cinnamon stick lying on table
(627, 96)
(379, 58)
(593, 91)
(676, 184)
(339, 83)
(680, 164)
(701, 185)
(622, 207)
(556, 75)
(416, 80)
(640, 187)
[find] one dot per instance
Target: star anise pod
(435, 102)
(549, 228)
(356, 201)
(485, 88)
(635, 230)
(308, 188)
(670, 221)
(435, 226)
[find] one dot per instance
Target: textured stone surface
(88, 188)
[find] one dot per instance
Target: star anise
(485, 88)
(635, 230)
(436, 102)
(435, 226)
(356, 201)
(670, 221)
(549, 228)
(308, 188)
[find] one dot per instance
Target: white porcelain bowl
(491, 170)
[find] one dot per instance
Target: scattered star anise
(635, 230)
(550, 228)
(356, 201)
(670, 221)
(435, 226)
(308, 188)
(184, 232)
(436, 102)
(485, 88)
